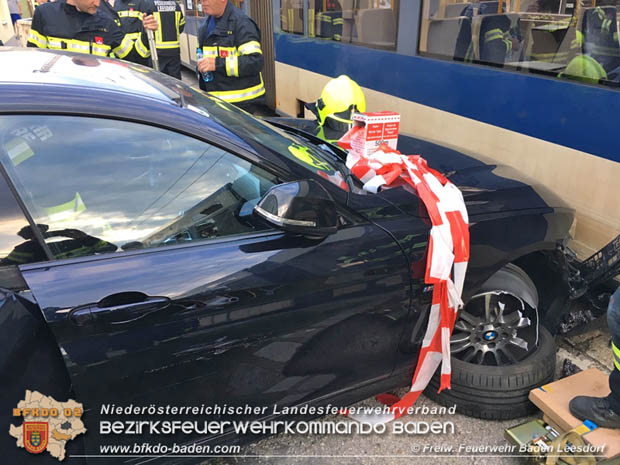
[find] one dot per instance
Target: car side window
(98, 186)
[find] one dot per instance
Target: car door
(28, 361)
(161, 287)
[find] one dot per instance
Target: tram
(532, 84)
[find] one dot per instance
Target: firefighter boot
(595, 409)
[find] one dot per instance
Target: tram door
(262, 13)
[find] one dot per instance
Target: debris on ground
(568, 369)
(576, 319)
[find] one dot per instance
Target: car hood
(487, 187)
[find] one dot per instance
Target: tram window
(568, 39)
(371, 23)
(291, 16)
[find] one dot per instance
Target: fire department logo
(98, 40)
(48, 425)
(223, 53)
(35, 436)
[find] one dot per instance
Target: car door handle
(119, 308)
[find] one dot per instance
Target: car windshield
(300, 150)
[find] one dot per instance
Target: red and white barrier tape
(448, 255)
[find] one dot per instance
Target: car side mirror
(301, 207)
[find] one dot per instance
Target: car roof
(60, 82)
(36, 66)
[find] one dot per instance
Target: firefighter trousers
(613, 321)
(171, 65)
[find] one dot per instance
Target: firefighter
(233, 59)
(130, 13)
(340, 98)
(600, 35)
(75, 25)
(171, 23)
(328, 22)
(139, 53)
(500, 39)
(605, 411)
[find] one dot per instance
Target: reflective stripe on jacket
(235, 44)
(60, 26)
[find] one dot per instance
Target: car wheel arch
(538, 263)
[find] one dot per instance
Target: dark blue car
(159, 246)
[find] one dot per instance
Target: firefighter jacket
(130, 14)
(328, 22)
(60, 26)
(170, 22)
(107, 10)
(235, 42)
(600, 36)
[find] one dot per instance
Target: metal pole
(154, 58)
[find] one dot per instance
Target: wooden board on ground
(552, 399)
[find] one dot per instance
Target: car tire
(500, 392)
